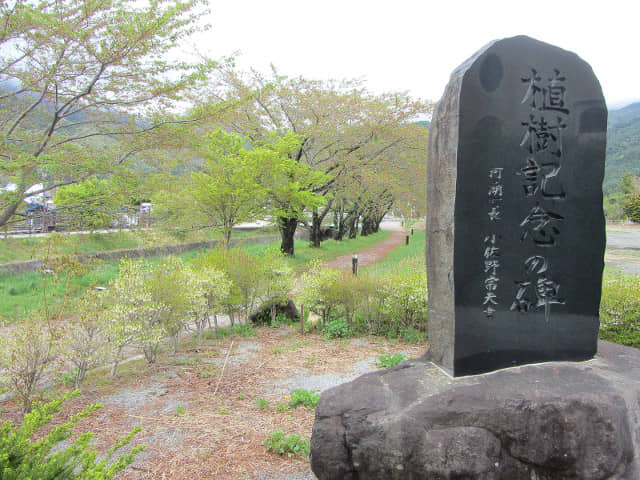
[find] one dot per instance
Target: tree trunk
(368, 225)
(352, 224)
(339, 222)
(8, 212)
(287, 227)
(316, 224)
(316, 229)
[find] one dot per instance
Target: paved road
(623, 240)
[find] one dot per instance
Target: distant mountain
(623, 145)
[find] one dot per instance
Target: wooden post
(301, 319)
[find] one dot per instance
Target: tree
(85, 344)
(340, 127)
(135, 315)
(74, 87)
(214, 287)
(227, 191)
(25, 354)
(89, 203)
(290, 186)
(627, 184)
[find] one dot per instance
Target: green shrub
(386, 361)
(291, 445)
(337, 328)
(632, 207)
(22, 457)
(620, 310)
(304, 397)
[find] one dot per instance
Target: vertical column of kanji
(491, 253)
(542, 191)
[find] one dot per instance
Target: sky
(413, 46)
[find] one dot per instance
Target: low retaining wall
(36, 265)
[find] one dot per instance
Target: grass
(20, 249)
(22, 294)
(415, 249)
(329, 249)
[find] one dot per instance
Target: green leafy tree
(291, 186)
(136, 316)
(91, 204)
(227, 189)
(632, 207)
(85, 344)
(214, 287)
(341, 127)
(77, 88)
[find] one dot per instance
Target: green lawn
(415, 249)
(22, 294)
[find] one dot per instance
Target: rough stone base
(549, 421)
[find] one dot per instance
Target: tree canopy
(73, 88)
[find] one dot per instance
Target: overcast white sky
(404, 45)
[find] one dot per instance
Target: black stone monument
(516, 231)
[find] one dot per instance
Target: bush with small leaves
(23, 457)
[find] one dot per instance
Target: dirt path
(372, 254)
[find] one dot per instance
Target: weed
(224, 411)
(296, 345)
(283, 407)
(212, 372)
(337, 328)
(304, 397)
(244, 330)
(68, 379)
(241, 396)
(208, 334)
(277, 349)
(309, 361)
(262, 403)
(413, 335)
(386, 361)
(291, 445)
(222, 332)
(180, 411)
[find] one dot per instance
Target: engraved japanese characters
(514, 186)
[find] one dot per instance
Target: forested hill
(623, 145)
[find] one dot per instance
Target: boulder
(263, 315)
(557, 420)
